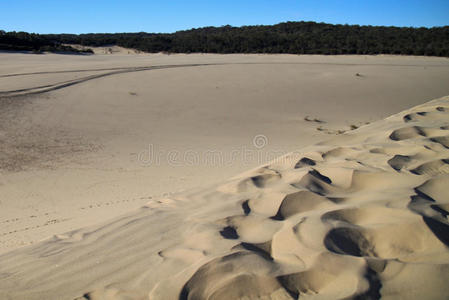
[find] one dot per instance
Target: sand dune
(87, 138)
(108, 50)
(360, 216)
(85, 141)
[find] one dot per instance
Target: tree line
(289, 37)
(35, 43)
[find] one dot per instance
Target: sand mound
(107, 49)
(362, 216)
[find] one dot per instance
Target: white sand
(108, 49)
(78, 155)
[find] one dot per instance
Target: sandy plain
(86, 141)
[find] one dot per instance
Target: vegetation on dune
(36, 43)
(289, 37)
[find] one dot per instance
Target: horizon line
(233, 26)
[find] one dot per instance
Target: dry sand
(108, 49)
(364, 214)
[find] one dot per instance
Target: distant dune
(118, 174)
(111, 49)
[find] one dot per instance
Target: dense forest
(289, 37)
(36, 43)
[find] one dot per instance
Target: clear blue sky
(82, 16)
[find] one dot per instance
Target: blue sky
(81, 16)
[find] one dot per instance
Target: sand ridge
(359, 216)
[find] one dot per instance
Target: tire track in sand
(63, 84)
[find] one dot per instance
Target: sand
(361, 213)
(108, 49)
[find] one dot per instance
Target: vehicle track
(63, 84)
(121, 70)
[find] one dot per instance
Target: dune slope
(361, 216)
(84, 139)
